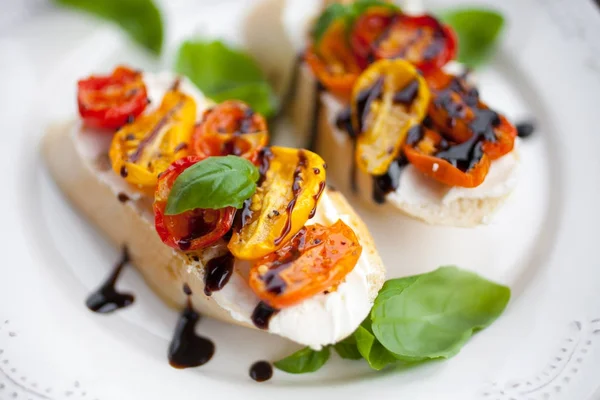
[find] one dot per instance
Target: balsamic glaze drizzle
(316, 197)
(106, 299)
(407, 94)
(364, 99)
(218, 272)
(388, 182)
(296, 189)
(525, 129)
(123, 198)
(466, 155)
(262, 314)
(261, 371)
(344, 122)
(188, 349)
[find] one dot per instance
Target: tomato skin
(413, 38)
(175, 230)
(230, 128)
(365, 31)
(110, 101)
(316, 259)
(140, 151)
(422, 155)
(453, 99)
(287, 196)
(333, 62)
(506, 133)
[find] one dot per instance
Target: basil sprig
(224, 73)
(478, 31)
(141, 19)
(215, 182)
(420, 318)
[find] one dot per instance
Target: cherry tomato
(454, 164)
(140, 151)
(333, 62)
(506, 133)
(366, 29)
(190, 230)
(287, 196)
(421, 40)
(316, 259)
(233, 128)
(110, 101)
(388, 99)
(458, 112)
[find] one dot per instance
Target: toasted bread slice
(76, 158)
(418, 196)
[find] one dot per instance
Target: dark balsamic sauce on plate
(106, 298)
(525, 129)
(261, 371)
(187, 349)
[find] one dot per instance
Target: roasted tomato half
(458, 112)
(454, 164)
(111, 101)
(388, 99)
(140, 151)
(365, 31)
(333, 62)
(421, 40)
(291, 184)
(316, 259)
(233, 128)
(190, 230)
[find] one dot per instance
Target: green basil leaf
(348, 349)
(303, 361)
(224, 73)
(434, 314)
(141, 19)
(214, 182)
(371, 349)
(478, 31)
(331, 14)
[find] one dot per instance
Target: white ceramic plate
(543, 244)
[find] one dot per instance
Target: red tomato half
(422, 40)
(110, 101)
(191, 230)
(365, 31)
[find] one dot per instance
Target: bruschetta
(400, 123)
(294, 260)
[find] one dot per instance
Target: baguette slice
(76, 158)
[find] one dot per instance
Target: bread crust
(131, 223)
